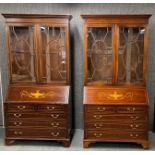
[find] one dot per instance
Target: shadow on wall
(77, 71)
(72, 77)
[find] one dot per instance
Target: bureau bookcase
(115, 96)
(38, 101)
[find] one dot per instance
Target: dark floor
(76, 145)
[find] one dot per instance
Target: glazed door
(99, 55)
(53, 54)
(131, 55)
(22, 53)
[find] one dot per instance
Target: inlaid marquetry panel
(37, 94)
(114, 95)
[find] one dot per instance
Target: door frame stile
(67, 42)
(85, 30)
(145, 54)
(9, 53)
(37, 53)
(116, 52)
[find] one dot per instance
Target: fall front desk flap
(113, 95)
(53, 94)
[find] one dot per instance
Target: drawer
(48, 108)
(35, 133)
(115, 117)
(35, 108)
(100, 109)
(35, 115)
(20, 107)
(35, 123)
(115, 135)
(131, 109)
(116, 126)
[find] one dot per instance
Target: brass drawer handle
(134, 117)
(55, 134)
(17, 115)
(18, 132)
(101, 108)
(98, 116)
(98, 125)
(131, 109)
(17, 123)
(50, 108)
(54, 115)
(21, 107)
(134, 135)
(98, 134)
(55, 125)
(134, 126)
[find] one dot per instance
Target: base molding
(145, 144)
(9, 141)
(66, 142)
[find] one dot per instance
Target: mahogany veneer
(115, 97)
(109, 120)
(46, 118)
(38, 102)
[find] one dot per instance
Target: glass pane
(131, 49)
(22, 49)
(100, 55)
(53, 54)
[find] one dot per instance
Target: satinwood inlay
(36, 94)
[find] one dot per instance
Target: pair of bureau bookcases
(38, 105)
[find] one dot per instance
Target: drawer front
(131, 109)
(20, 108)
(48, 108)
(35, 133)
(35, 123)
(89, 117)
(45, 108)
(36, 116)
(114, 135)
(115, 126)
(100, 109)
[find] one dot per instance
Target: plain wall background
(77, 43)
